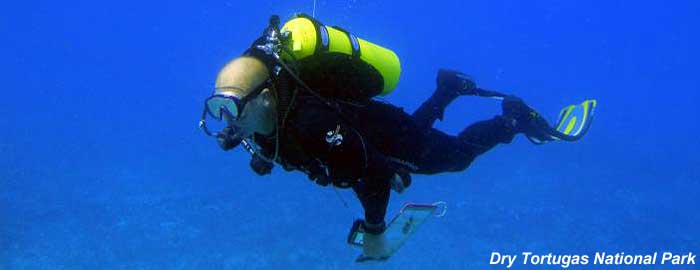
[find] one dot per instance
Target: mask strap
(203, 123)
(203, 119)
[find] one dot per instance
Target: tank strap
(354, 43)
(321, 33)
(322, 38)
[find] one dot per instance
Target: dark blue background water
(102, 165)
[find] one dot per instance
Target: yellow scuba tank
(358, 68)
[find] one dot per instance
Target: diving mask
(226, 108)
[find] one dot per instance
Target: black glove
(260, 166)
(228, 139)
(524, 119)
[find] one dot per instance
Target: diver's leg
(444, 153)
(396, 134)
(450, 85)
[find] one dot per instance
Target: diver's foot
(524, 119)
(452, 83)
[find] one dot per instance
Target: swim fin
(574, 122)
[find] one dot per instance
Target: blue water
(102, 165)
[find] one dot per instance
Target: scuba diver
(302, 97)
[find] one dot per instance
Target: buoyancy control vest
(326, 62)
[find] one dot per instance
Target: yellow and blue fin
(573, 123)
(575, 120)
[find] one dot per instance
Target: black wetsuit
(376, 136)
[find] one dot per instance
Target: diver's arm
(374, 197)
(375, 200)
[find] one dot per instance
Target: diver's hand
(376, 247)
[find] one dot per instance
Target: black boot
(524, 119)
(450, 85)
(453, 83)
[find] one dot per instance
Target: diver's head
(241, 76)
(243, 98)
